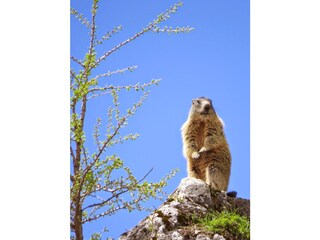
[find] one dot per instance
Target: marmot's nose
(207, 107)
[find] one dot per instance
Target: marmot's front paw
(203, 149)
(195, 155)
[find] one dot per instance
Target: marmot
(205, 146)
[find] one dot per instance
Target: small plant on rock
(227, 223)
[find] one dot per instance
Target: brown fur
(205, 146)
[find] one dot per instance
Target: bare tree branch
(104, 214)
(125, 205)
(103, 90)
(73, 76)
(109, 34)
(137, 86)
(123, 43)
(79, 17)
(85, 158)
(109, 73)
(72, 154)
(77, 61)
(161, 18)
(118, 194)
(170, 30)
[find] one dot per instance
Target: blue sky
(213, 61)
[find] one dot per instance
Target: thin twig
(77, 61)
(122, 44)
(103, 214)
(108, 34)
(109, 73)
(161, 18)
(72, 154)
(118, 194)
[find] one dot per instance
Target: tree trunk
(78, 224)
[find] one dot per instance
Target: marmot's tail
(232, 194)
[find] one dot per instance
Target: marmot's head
(202, 106)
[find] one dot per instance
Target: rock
(195, 190)
(218, 237)
(174, 218)
(203, 237)
(176, 236)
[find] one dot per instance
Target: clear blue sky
(213, 61)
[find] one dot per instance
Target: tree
(95, 192)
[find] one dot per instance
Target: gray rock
(218, 237)
(195, 190)
(176, 236)
(203, 237)
(173, 220)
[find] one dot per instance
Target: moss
(177, 199)
(170, 199)
(184, 219)
(227, 223)
(165, 219)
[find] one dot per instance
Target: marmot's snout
(207, 108)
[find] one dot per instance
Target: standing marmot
(205, 146)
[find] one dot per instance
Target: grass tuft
(228, 224)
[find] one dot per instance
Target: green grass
(228, 224)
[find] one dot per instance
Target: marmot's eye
(198, 101)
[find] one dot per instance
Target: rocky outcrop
(174, 220)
